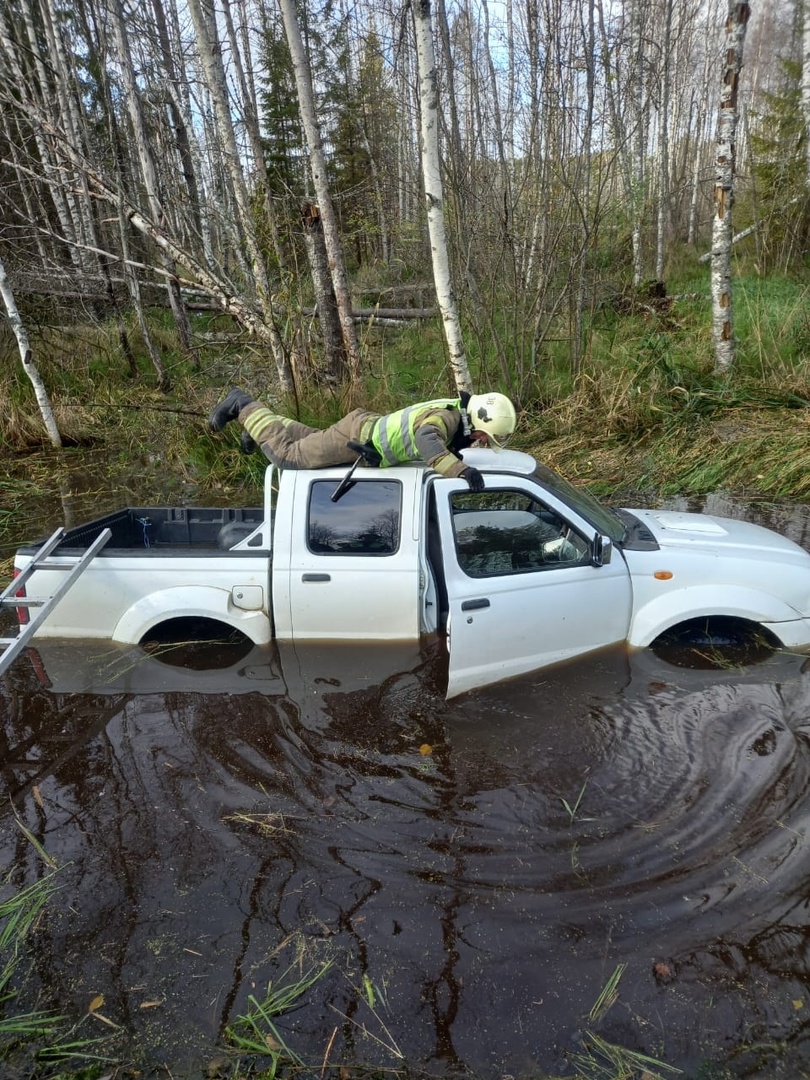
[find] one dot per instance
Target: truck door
(353, 570)
(523, 590)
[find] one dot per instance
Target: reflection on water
(485, 863)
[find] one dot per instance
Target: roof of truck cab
(508, 461)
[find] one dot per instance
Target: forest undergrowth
(644, 414)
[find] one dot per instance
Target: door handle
(475, 605)
(316, 577)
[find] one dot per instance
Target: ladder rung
(14, 646)
(17, 583)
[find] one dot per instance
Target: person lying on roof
(431, 431)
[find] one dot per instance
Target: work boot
(228, 409)
(247, 445)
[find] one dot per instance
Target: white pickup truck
(526, 573)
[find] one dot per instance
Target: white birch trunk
(700, 127)
(429, 125)
(806, 83)
(71, 121)
(211, 58)
(510, 93)
(250, 113)
(174, 81)
(663, 135)
(28, 365)
(589, 39)
(306, 107)
(722, 306)
(610, 75)
(639, 179)
(150, 178)
(58, 182)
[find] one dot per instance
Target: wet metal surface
(474, 870)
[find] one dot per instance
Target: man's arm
(433, 433)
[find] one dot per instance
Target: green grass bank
(644, 413)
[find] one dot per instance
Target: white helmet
(494, 414)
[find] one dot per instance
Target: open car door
(528, 582)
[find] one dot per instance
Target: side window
(511, 532)
(364, 521)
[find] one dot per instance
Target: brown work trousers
(292, 445)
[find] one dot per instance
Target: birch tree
(434, 199)
(29, 367)
(205, 29)
(702, 112)
(150, 176)
(663, 139)
(722, 234)
(306, 104)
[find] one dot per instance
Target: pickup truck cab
(524, 574)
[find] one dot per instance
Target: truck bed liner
(142, 528)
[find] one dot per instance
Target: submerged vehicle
(524, 574)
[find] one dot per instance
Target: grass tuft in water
(18, 914)
(255, 1032)
(572, 810)
(609, 995)
(603, 1060)
(44, 1032)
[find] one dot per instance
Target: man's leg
(291, 445)
(286, 442)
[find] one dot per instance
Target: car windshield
(581, 500)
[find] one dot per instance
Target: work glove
(475, 480)
(367, 451)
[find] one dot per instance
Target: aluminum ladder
(12, 646)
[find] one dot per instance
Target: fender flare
(190, 601)
(695, 602)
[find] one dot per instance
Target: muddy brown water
(228, 818)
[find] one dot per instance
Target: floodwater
(473, 872)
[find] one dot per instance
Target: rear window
(366, 520)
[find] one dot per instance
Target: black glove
(474, 478)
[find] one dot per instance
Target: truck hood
(674, 529)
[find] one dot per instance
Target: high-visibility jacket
(421, 432)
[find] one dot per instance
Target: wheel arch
(190, 601)
(748, 605)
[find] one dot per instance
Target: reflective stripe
(446, 463)
(259, 419)
(394, 436)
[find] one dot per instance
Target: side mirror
(601, 550)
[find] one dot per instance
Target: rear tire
(196, 643)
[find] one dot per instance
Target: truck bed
(143, 528)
